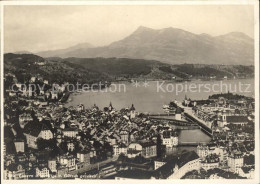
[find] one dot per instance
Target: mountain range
(170, 45)
(62, 52)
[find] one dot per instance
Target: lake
(151, 98)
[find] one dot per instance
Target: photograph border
(255, 3)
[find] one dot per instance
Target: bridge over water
(172, 121)
(191, 143)
(191, 117)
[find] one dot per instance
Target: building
(110, 107)
(235, 161)
(46, 133)
(124, 135)
(14, 171)
(83, 156)
(178, 114)
(33, 79)
(4, 149)
(32, 131)
(52, 165)
(42, 91)
(237, 120)
(69, 161)
(202, 151)
(205, 150)
(146, 148)
(132, 112)
(24, 119)
(46, 82)
(111, 139)
(170, 139)
(70, 146)
(19, 145)
(80, 107)
(222, 121)
(30, 91)
(70, 132)
(120, 148)
(42, 172)
(54, 95)
(158, 164)
(210, 162)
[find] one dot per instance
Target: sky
(40, 28)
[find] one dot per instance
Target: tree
(43, 144)
(122, 158)
(108, 147)
(139, 159)
(64, 147)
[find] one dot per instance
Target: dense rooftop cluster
(43, 138)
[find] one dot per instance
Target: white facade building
(235, 161)
(120, 149)
(42, 172)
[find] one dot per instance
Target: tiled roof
(34, 128)
(133, 151)
(237, 119)
(246, 169)
(70, 129)
(146, 143)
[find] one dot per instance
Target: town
(43, 139)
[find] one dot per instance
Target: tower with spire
(186, 100)
(110, 108)
(178, 114)
(132, 112)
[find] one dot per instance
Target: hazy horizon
(41, 28)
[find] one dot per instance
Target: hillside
(92, 70)
(175, 46)
(115, 66)
(150, 69)
(26, 65)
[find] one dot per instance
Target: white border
(2, 89)
(219, 2)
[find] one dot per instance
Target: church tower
(178, 114)
(132, 112)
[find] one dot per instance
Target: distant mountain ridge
(62, 52)
(91, 70)
(172, 46)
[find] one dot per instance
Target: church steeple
(110, 106)
(186, 97)
(132, 108)
(132, 112)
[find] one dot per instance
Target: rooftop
(236, 119)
